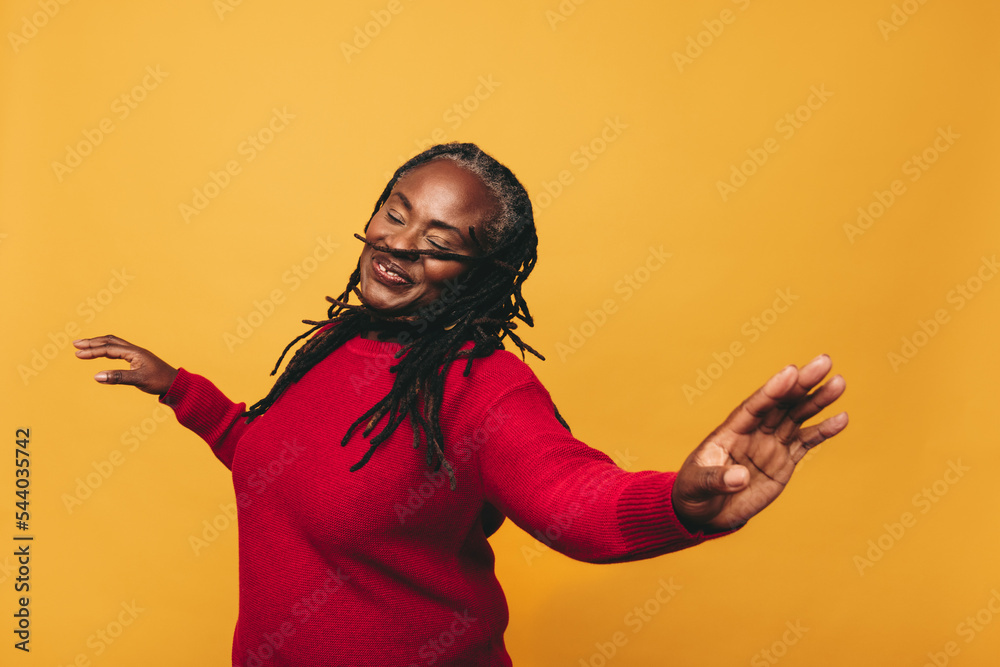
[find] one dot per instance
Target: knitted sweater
(386, 565)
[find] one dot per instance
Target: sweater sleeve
(201, 407)
(568, 495)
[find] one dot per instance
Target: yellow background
(559, 73)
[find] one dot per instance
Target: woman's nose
(401, 240)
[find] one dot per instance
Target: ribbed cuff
(647, 520)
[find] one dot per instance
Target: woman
(375, 552)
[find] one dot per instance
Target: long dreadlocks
(482, 308)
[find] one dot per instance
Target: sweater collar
(372, 348)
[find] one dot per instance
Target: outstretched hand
(146, 371)
(746, 462)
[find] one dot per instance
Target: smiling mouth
(389, 273)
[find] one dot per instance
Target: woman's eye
(436, 244)
(394, 218)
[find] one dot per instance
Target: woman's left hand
(746, 462)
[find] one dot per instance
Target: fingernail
(818, 358)
(102, 376)
(735, 477)
(79, 340)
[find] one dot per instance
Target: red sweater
(387, 565)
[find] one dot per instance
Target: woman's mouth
(389, 273)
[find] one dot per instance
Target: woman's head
(437, 206)
(451, 199)
(447, 249)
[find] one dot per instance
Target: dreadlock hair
(482, 307)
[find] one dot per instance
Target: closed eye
(437, 246)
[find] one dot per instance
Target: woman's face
(431, 207)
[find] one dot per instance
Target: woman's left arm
(576, 500)
(570, 496)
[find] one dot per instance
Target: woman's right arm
(197, 403)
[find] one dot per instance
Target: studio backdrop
(721, 188)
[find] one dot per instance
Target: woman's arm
(197, 403)
(568, 495)
(576, 500)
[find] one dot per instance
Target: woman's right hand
(146, 371)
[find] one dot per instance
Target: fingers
(813, 435)
(768, 406)
(817, 401)
(753, 410)
(808, 376)
(100, 340)
(788, 432)
(111, 347)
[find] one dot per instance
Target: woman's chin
(387, 307)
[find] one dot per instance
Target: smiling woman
(372, 561)
(439, 206)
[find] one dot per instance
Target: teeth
(391, 272)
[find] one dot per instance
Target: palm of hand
(748, 460)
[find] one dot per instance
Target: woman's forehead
(445, 183)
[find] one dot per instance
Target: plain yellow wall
(739, 137)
